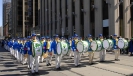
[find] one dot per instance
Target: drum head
(86, 46)
(105, 44)
(59, 50)
(94, 45)
(121, 44)
(64, 46)
(80, 47)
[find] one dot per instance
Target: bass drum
(108, 44)
(96, 45)
(64, 47)
(122, 43)
(86, 46)
(59, 49)
(80, 46)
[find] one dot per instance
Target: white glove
(74, 49)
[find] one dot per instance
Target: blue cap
(24, 38)
(18, 38)
(75, 35)
(42, 37)
(89, 35)
(114, 35)
(33, 34)
(100, 35)
(62, 37)
(56, 35)
(29, 37)
(48, 37)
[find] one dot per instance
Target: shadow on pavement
(130, 75)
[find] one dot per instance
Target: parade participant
(131, 47)
(19, 45)
(24, 52)
(47, 51)
(54, 48)
(42, 42)
(90, 51)
(103, 51)
(36, 53)
(15, 48)
(10, 44)
(70, 48)
(116, 48)
(76, 53)
(28, 48)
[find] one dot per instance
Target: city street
(124, 67)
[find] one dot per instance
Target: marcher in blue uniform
(47, 50)
(90, 51)
(76, 53)
(54, 48)
(28, 47)
(131, 47)
(116, 48)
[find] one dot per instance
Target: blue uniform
(115, 41)
(45, 47)
(73, 46)
(131, 46)
(54, 46)
(29, 45)
(89, 49)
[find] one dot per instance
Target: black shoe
(59, 68)
(102, 61)
(76, 66)
(117, 59)
(79, 65)
(71, 58)
(36, 73)
(33, 73)
(49, 64)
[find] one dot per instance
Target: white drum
(108, 44)
(80, 46)
(96, 45)
(122, 43)
(64, 47)
(86, 46)
(59, 49)
(37, 49)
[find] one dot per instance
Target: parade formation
(31, 51)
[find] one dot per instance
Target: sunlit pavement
(124, 67)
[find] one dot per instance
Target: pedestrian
(131, 47)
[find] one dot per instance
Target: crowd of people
(32, 51)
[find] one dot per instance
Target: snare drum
(59, 49)
(122, 43)
(96, 45)
(86, 46)
(65, 47)
(80, 46)
(108, 44)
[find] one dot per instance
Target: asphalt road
(124, 67)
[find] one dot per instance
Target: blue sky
(1, 1)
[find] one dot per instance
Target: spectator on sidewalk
(131, 47)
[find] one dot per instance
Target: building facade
(6, 9)
(83, 17)
(24, 17)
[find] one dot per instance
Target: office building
(25, 17)
(83, 17)
(6, 9)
